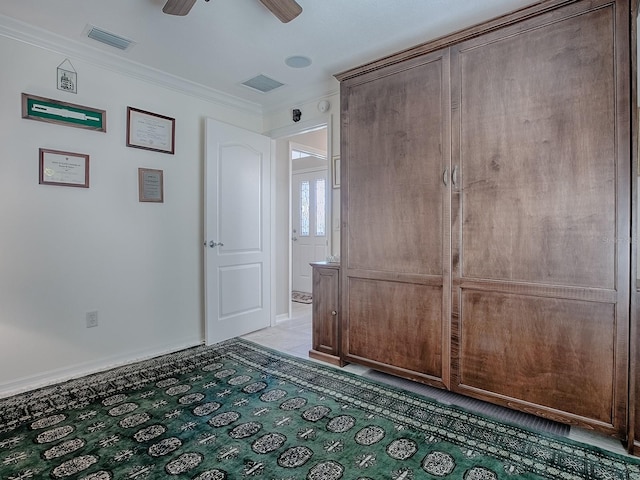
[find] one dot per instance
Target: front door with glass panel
(309, 235)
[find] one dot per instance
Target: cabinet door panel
(395, 165)
(551, 352)
(325, 303)
(396, 325)
(538, 155)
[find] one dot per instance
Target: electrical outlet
(92, 319)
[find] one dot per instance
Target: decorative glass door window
(313, 202)
(304, 208)
(320, 207)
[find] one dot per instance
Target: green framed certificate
(62, 113)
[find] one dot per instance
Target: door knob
(214, 244)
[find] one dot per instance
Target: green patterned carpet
(239, 411)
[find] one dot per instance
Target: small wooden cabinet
(326, 317)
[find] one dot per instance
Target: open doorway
(309, 213)
(304, 151)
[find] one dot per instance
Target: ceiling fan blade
(178, 7)
(285, 10)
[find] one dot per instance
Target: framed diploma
(64, 168)
(150, 185)
(150, 131)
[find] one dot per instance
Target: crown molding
(40, 38)
(304, 96)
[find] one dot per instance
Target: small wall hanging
(67, 77)
(64, 168)
(63, 113)
(150, 185)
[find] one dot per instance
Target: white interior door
(309, 223)
(237, 231)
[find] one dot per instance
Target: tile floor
(293, 336)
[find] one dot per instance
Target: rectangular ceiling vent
(108, 38)
(262, 83)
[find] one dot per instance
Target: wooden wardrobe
(486, 203)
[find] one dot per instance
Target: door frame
(323, 121)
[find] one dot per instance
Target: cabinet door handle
(334, 313)
(454, 176)
(445, 177)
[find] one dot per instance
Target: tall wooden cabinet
(486, 212)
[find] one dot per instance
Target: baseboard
(52, 377)
(282, 317)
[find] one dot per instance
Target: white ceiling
(222, 43)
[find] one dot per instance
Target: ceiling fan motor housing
(285, 10)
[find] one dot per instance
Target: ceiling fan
(285, 10)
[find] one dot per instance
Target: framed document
(63, 113)
(64, 168)
(150, 185)
(150, 131)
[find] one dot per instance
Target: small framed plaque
(64, 168)
(150, 131)
(150, 185)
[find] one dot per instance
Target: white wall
(282, 234)
(65, 251)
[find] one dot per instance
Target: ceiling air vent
(262, 83)
(108, 38)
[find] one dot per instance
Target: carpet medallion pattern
(240, 411)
